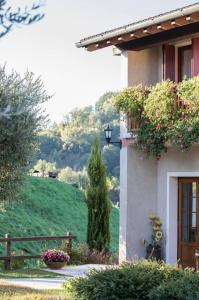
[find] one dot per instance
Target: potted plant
(153, 248)
(55, 259)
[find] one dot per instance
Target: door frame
(171, 231)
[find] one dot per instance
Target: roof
(179, 17)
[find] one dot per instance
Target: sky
(75, 77)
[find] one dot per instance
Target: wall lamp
(108, 136)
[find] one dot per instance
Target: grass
(13, 292)
(28, 273)
(49, 207)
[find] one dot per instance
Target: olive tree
(21, 118)
(11, 17)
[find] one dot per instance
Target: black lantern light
(108, 136)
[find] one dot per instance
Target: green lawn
(49, 207)
(28, 273)
(13, 292)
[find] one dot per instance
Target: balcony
(167, 113)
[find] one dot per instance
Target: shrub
(78, 254)
(185, 288)
(81, 254)
(133, 281)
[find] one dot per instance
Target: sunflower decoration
(157, 230)
(158, 236)
(156, 226)
(152, 216)
(153, 247)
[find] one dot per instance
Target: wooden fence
(8, 240)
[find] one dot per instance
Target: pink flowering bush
(53, 255)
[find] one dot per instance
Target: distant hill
(49, 207)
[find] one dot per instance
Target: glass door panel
(189, 220)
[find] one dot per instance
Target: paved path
(55, 283)
(78, 271)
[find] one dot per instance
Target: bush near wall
(141, 280)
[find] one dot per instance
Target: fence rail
(8, 246)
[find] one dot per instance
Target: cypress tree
(99, 205)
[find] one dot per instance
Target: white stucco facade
(149, 185)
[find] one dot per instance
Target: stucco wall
(173, 161)
(138, 199)
(138, 177)
(145, 66)
(146, 189)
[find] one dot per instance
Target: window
(184, 62)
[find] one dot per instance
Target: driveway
(79, 271)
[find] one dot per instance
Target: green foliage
(20, 121)
(151, 140)
(78, 253)
(133, 281)
(160, 105)
(188, 91)
(185, 288)
(131, 101)
(69, 143)
(49, 207)
(99, 206)
(45, 166)
(113, 188)
(81, 254)
(68, 175)
(162, 121)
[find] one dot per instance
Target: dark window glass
(185, 63)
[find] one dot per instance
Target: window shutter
(169, 62)
(195, 66)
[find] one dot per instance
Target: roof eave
(139, 25)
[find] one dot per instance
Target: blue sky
(74, 76)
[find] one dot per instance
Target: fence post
(69, 240)
(8, 253)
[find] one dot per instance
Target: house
(152, 50)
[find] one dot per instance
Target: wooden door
(188, 220)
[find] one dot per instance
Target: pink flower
(53, 255)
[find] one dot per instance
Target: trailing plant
(160, 104)
(131, 101)
(188, 92)
(168, 113)
(151, 139)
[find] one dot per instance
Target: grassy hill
(49, 207)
